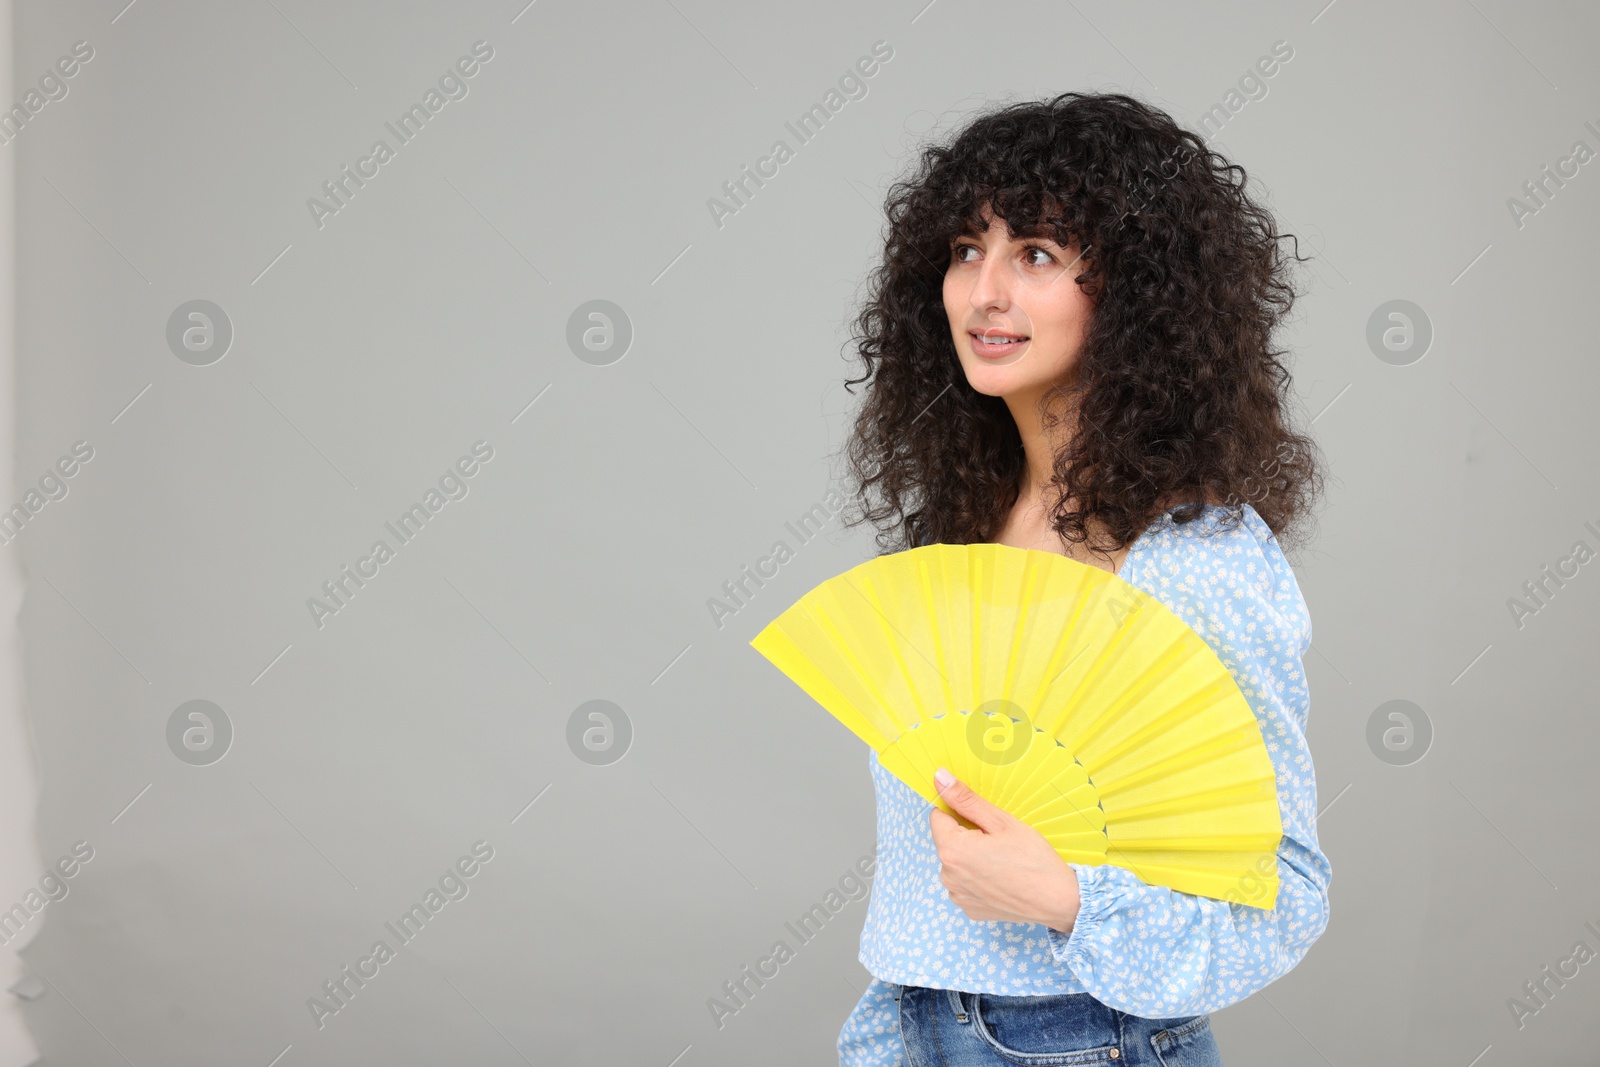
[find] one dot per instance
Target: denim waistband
(962, 1028)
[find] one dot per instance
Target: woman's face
(1002, 288)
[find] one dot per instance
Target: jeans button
(1116, 1054)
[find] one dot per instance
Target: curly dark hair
(1179, 394)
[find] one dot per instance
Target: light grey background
(369, 354)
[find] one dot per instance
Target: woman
(1069, 345)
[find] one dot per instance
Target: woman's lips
(995, 351)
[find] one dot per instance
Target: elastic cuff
(1093, 905)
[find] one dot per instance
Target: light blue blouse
(1146, 950)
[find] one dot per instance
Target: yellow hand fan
(1060, 693)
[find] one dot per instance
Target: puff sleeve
(1157, 952)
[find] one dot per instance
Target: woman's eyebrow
(1040, 231)
(1033, 233)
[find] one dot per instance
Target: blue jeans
(951, 1028)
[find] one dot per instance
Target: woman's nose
(991, 287)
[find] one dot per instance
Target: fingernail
(943, 778)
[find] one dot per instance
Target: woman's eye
(958, 253)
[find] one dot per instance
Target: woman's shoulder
(1226, 558)
(1218, 531)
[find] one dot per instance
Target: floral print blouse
(1144, 949)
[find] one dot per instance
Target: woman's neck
(1027, 524)
(1039, 445)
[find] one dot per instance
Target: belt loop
(957, 1006)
